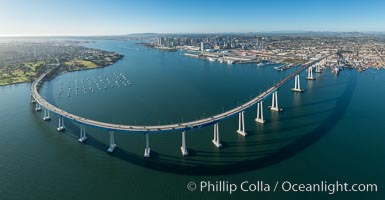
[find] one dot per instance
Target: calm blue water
(333, 131)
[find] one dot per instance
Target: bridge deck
(161, 128)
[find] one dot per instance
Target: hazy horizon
(201, 33)
(23, 18)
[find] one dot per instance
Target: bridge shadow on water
(264, 157)
(310, 104)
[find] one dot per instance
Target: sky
(117, 17)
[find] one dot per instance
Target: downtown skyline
(93, 18)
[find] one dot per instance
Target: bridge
(41, 104)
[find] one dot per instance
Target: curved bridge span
(213, 120)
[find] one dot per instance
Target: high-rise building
(204, 46)
(160, 41)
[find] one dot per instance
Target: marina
(99, 82)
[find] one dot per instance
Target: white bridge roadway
(161, 128)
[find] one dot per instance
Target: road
(162, 128)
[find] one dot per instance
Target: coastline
(16, 83)
(60, 71)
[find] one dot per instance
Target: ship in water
(260, 64)
(283, 67)
(264, 63)
(335, 70)
(211, 59)
(229, 62)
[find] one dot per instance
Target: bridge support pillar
(33, 99)
(216, 140)
(61, 124)
(310, 73)
(183, 148)
(241, 124)
(37, 107)
(318, 69)
(83, 136)
(274, 102)
(297, 85)
(259, 118)
(112, 142)
(147, 150)
(46, 115)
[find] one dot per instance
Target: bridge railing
(161, 128)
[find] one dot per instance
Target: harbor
(288, 140)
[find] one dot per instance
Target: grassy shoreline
(84, 65)
(22, 62)
(20, 73)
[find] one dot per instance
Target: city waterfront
(331, 132)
